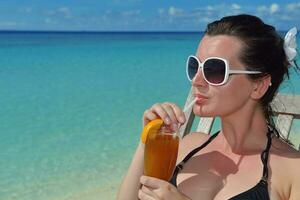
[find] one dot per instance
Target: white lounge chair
(286, 108)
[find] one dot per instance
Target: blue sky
(139, 15)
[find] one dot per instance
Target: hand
(170, 113)
(157, 189)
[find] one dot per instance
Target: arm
(130, 186)
(131, 183)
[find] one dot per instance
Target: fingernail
(174, 126)
(181, 119)
(168, 120)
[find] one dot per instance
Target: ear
(260, 87)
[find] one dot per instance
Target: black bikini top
(258, 192)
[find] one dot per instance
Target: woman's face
(228, 98)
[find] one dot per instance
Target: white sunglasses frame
(227, 70)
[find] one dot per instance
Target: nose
(199, 80)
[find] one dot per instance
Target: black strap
(187, 157)
(180, 165)
(264, 157)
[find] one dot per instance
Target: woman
(246, 159)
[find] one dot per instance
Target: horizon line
(104, 31)
(107, 31)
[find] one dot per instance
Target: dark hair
(262, 51)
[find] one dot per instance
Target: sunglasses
(215, 70)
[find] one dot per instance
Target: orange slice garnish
(151, 127)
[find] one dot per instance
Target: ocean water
(71, 107)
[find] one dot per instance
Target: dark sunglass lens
(192, 67)
(214, 70)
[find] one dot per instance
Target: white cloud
(205, 20)
(197, 15)
(274, 8)
(219, 10)
(49, 21)
(25, 9)
(270, 9)
(285, 17)
(210, 8)
(161, 11)
(191, 19)
(12, 24)
(60, 11)
(117, 2)
(273, 13)
(28, 10)
(8, 24)
(174, 11)
(131, 13)
(65, 11)
(262, 9)
(293, 6)
(235, 6)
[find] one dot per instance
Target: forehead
(223, 46)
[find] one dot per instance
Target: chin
(203, 112)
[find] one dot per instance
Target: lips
(200, 98)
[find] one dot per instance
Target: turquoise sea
(71, 107)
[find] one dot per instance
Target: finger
(180, 116)
(152, 182)
(160, 111)
(174, 122)
(149, 191)
(148, 116)
(169, 109)
(144, 196)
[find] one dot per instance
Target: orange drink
(161, 150)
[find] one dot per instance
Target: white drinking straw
(189, 106)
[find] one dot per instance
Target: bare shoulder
(284, 150)
(291, 162)
(285, 162)
(190, 142)
(285, 153)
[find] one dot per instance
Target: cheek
(224, 100)
(233, 98)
